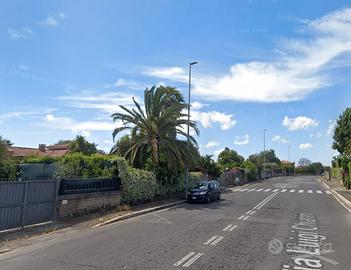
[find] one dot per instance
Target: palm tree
(156, 129)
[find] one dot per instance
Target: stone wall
(79, 204)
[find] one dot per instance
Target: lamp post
(289, 159)
(188, 129)
(264, 153)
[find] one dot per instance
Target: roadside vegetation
(341, 164)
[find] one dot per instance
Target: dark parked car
(205, 192)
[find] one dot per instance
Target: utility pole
(289, 158)
(264, 153)
(188, 141)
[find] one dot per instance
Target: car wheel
(207, 199)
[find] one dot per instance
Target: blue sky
(281, 65)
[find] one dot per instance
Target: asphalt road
(280, 223)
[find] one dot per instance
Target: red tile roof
(50, 151)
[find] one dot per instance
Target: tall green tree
(342, 134)
(229, 159)
(269, 156)
(208, 163)
(156, 129)
(81, 145)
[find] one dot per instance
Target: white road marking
(259, 190)
(258, 206)
(292, 190)
(241, 217)
(251, 190)
(274, 194)
(319, 192)
(192, 260)
(301, 191)
(215, 242)
(233, 228)
(328, 192)
(228, 227)
(310, 191)
(283, 190)
(253, 212)
(211, 239)
(238, 189)
(275, 190)
(190, 254)
(244, 189)
(246, 217)
(268, 189)
(248, 212)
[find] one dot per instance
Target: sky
(283, 66)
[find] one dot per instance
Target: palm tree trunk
(154, 146)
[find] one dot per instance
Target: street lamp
(289, 159)
(264, 153)
(188, 141)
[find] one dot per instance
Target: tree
(62, 141)
(271, 160)
(229, 159)
(122, 146)
(8, 166)
(210, 165)
(251, 169)
(81, 145)
(155, 130)
(342, 134)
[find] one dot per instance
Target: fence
(27, 203)
(78, 186)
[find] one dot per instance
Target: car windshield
(203, 185)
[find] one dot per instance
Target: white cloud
(217, 152)
(197, 105)
(241, 140)
(300, 122)
(280, 139)
(83, 127)
(300, 69)
(207, 119)
(85, 133)
(305, 146)
(108, 102)
(212, 144)
(22, 33)
(331, 127)
(52, 20)
(128, 84)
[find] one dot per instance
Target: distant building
(304, 162)
(58, 150)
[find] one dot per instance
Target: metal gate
(27, 202)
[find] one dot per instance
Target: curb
(338, 196)
(4, 250)
(138, 213)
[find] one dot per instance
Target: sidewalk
(33, 234)
(337, 187)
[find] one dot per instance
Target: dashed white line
(274, 194)
(248, 212)
(215, 242)
(251, 190)
(309, 191)
(241, 217)
(233, 228)
(246, 217)
(328, 192)
(211, 239)
(259, 190)
(228, 227)
(275, 190)
(190, 254)
(253, 212)
(244, 189)
(192, 260)
(268, 189)
(292, 190)
(283, 190)
(301, 191)
(319, 192)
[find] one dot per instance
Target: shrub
(137, 185)
(251, 169)
(9, 169)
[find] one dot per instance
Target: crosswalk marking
(284, 190)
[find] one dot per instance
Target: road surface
(279, 223)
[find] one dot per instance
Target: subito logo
(275, 246)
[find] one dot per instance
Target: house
(58, 150)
